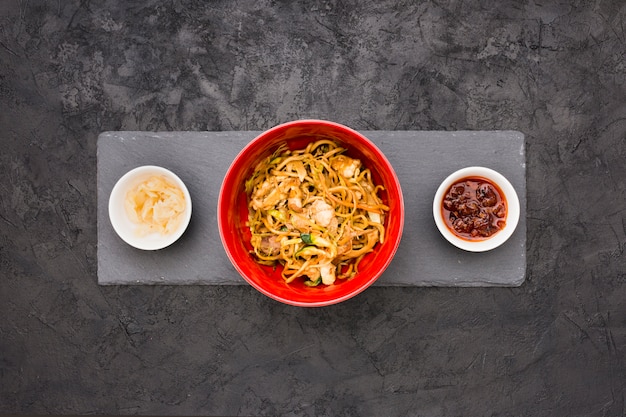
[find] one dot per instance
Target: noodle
(314, 211)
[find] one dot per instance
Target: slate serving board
(422, 159)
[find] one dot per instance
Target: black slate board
(422, 159)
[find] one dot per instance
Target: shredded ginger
(156, 206)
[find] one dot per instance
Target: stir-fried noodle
(314, 211)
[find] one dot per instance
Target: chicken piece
(321, 212)
(328, 273)
(267, 196)
(259, 194)
(346, 166)
(312, 272)
(291, 187)
(300, 222)
(294, 202)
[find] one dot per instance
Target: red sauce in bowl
(474, 208)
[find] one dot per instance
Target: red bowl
(232, 213)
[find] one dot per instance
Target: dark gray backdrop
(555, 71)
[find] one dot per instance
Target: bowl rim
(120, 221)
(513, 209)
(238, 160)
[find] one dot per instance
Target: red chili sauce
(474, 208)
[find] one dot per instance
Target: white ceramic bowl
(512, 203)
(126, 228)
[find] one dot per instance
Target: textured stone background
(554, 70)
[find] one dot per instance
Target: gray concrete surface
(555, 71)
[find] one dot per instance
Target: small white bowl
(512, 203)
(126, 228)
